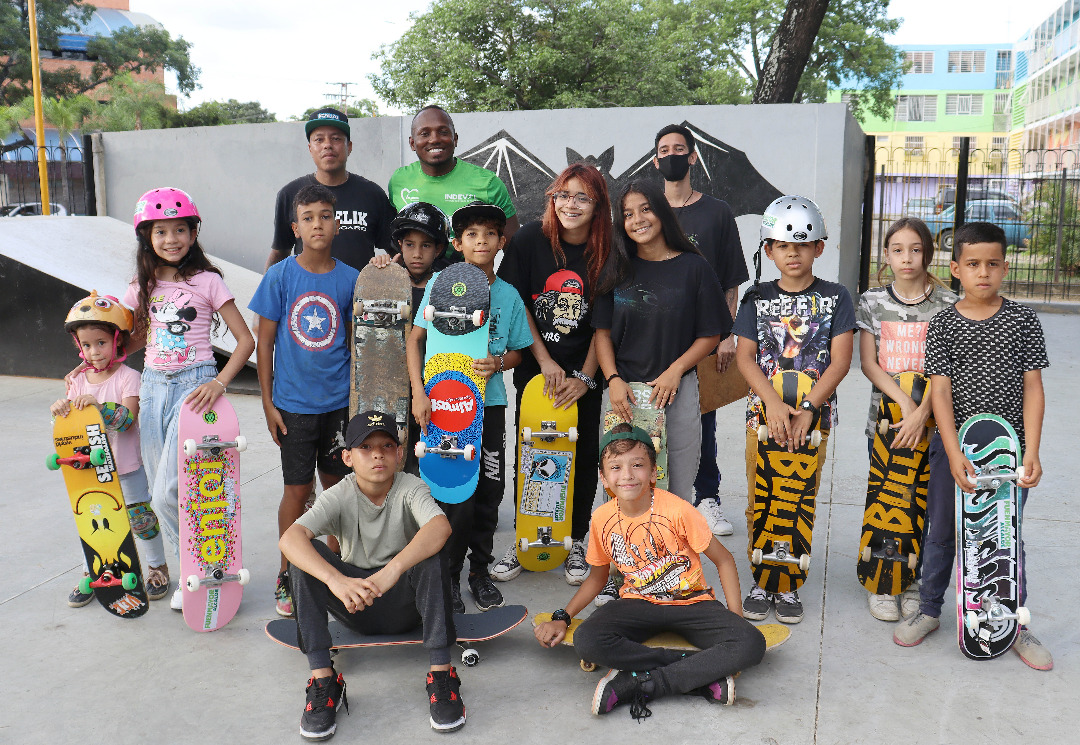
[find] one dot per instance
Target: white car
(23, 209)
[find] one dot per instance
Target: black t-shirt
(710, 224)
(659, 313)
(557, 296)
(417, 298)
(362, 208)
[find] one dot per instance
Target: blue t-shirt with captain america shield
(311, 347)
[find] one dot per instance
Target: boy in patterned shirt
(984, 355)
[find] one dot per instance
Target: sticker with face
(562, 305)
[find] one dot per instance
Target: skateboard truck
(890, 551)
(781, 553)
(111, 576)
(83, 456)
(447, 449)
(381, 312)
(548, 433)
(455, 316)
(993, 614)
(544, 540)
(214, 445)
(216, 577)
(994, 477)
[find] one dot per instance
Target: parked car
(921, 207)
(946, 196)
(1006, 214)
(24, 209)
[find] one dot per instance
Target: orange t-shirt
(657, 552)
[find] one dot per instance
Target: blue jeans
(161, 395)
(707, 483)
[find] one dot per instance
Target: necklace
(687, 199)
(911, 300)
(618, 510)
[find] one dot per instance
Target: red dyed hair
(598, 246)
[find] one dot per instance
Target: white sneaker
(883, 607)
(609, 593)
(714, 516)
(508, 567)
(909, 600)
(576, 569)
(177, 602)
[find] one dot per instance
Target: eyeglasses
(579, 199)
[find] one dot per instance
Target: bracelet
(223, 388)
(502, 360)
(612, 377)
(585, 379)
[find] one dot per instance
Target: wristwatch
(585, 379)
(561, 615)
(807, 406)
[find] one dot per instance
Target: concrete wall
(234, 172)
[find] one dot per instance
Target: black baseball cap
(366, 422)
(328, 116)
(476, 210)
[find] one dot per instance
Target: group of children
(395, 549)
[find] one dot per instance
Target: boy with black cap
(391, 576)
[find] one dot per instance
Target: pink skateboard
(211, 570)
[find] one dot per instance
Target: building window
(882, 139)
(1004, 76)
(974, 142)
(916, 108)
(849, 99)
(1002, 103)
(971, 60)
(999, 143)
(920, 62)
(963, 104)
(913, 145)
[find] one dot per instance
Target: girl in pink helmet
(179, 299)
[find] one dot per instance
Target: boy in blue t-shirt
(478, 230)
(304, 304)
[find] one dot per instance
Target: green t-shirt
(465, 183)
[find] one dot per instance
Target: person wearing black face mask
(710, 224)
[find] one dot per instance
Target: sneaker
(883, 607)
(576, 569)
(508, 567)
(1032, 652)
(622, 687)
(787, 607)
(609, 593)
(157, 582)
(446, 707)
(77, 599)
(757, 605)
(912, 631)
(324, 696)
(909, 600)
(718, 692)
(485, 594)
(283, 595)
(709, 508)
(457, 605)
(177, 601)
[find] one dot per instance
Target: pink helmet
(165, 203)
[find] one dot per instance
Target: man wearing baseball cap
(390, 578)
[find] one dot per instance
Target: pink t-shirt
(124, 383)
(180, 315)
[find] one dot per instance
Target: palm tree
(131, 104)
(68, 116)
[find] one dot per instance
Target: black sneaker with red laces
(444, 696)
(324, 696)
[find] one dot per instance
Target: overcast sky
(286, 54)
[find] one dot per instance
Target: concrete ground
(82, 674)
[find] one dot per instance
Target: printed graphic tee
(124, 383)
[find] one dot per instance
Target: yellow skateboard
(775, 634)
(546, 453)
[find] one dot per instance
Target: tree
(131, 104)
(215, 113)
(127, 50)
(790, 48)
(10, 118)
(67, 115)
(361, 108)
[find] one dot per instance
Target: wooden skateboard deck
(83, 455)
(471, 628)
(449, 450)
(652, 420)
(988, 558)
(775, 634)
(545, 479)
(785, 491)
(895, 511)
(382, 320)
(211, 562)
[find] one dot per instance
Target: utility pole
(342, 96)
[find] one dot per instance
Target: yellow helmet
(99, 309)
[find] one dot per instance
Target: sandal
(157, 582)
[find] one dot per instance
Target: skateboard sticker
(544, 492)
(211, 507)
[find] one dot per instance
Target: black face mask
(674, 167)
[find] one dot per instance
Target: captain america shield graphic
(314, 320)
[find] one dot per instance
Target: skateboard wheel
(241, 443)
(1023, 616)
(478, 317)
(192, 583)
(568, 543)
(804, 562)
(470, 658)
(865, 555)
(53, 463)
(84, 585)
(243, 576)
(971, 622)
(912, 561)
(470, 452)
(571, 434)
(128, 581)
(763, 433)
(526, 434)
(403, 310)
(815, 438)
(358, 308)
(420, 449)
(755, 558)
(97, 457)
(429, 313)
(523, 545)
(883, 426)
(587, 666)
(189, 448)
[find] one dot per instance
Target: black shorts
(314, 440)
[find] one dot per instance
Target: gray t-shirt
(371, 536)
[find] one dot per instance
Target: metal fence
(20, 185)
(1033, 194)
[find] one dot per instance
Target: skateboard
(988, 559)
(382, 321)
(471, 628)
(895, 497)
(83, 455)
(457, 334)
(546, 454)
(785, 490)
(652, 420)
(775, 634)
(211, 568)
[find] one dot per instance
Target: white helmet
(793, 219)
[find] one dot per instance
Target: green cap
(636, 433)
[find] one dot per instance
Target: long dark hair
(598, 246)
(620, 270)
(147, 263)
